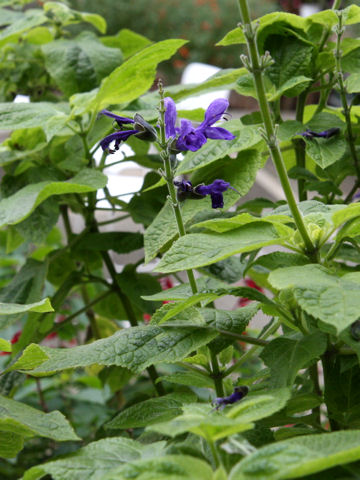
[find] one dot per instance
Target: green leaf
(31, 18)
(298, 457)
(191, 379)
(352, 83)
(333, 300)
(201, 420)
(348, 212)
(10, 444)
(213, 150)
(17, 207)
(154, 410)
(291, 88)
(66, 16)
(292, 65)
(255, 407)
(95, 460)
(134, 348)
(277, 20)
(168, 467)
(127, 41)
(325, 151)
(135, 76)
(286, 356)
(28, 115)
(14, 308)
(28, 422)
(226, 224)
(199, 249)
(34, 357)
(79, 64)
(5, 345)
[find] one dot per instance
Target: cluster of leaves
(136, 397)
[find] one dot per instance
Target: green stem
(252, 350)
(327, 360)
(300, 145)
(270, 136)
(314, 375)
(71, 317)
(214, 452)
(216, 375)
(169, 177)
(90, 314)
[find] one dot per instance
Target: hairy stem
(269, 129)
(169, 177)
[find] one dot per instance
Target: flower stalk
(256, 67)
(169, 177)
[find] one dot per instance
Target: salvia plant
(112, 373)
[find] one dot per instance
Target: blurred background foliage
(202, 22)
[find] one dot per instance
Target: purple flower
(325, 134)
(143, 130)
(215, 189)
(191, 138)
(238, 394)
(119, 120)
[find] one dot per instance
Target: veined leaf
(14, 308)
(20, 421)
(199, 249)
(286, 356)
(134, 348)
(168, 467)
(17, 207)
(154, 410)
(135, 76)
(96, 459)
(79, 64)
(299, 457)
(14, 116)
(334, 300)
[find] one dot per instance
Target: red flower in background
(249, 283)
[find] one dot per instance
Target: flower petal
(189, 137)
(214, 112)
(118, 137)
(217, 200)
(170, 117)
(218, 133)
(119, 120)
